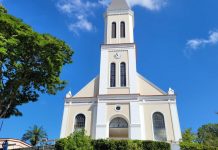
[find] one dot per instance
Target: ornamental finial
(68, 95)
(171, 91)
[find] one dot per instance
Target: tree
(208, 135)
(30, 64)
(34, 135)
(188, 136)
(76, 141)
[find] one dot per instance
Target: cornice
(125, 98)
(116, 46)
(119, 12)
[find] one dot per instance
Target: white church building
(120, 103)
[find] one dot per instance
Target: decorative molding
(158, 97)
(118, 46)
(80, 100)
(101, 125)
(150, 99)
(135, 125)
(119, 12)
(117, 97)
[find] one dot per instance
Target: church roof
(118, 5)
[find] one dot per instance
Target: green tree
(188, 136)
(30, 64)
(208, 135)
(34, 135)
(76, 141)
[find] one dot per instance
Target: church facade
(120, 103)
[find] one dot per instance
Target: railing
(47, 147)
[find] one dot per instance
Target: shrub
(153, 145)
(76, 141)
(60, 144)
(195, 146)
(121, 144)
(110, 144)
(135, 145)
(104, 144)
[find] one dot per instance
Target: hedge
(119, 145)
(153, 145)
(195, 146)
(80, 141)
(110, 144)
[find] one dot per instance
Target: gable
(145, 87)
(90, 90)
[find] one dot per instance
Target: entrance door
(118, 128)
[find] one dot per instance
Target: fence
(48, 147)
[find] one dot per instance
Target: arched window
(114, 30)
(118, 128)
(123, 74)
(122, 29)
(118, 123)
(159, 127)
(79, 122)
(113, 75)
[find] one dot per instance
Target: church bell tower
(118, 53)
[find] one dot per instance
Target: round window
(118, 108)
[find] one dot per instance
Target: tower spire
(118, 5)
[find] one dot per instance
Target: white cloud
(194, 45)
(81, 24)
(198, 43)
(149, 4)
(76, 6)
(81, 10)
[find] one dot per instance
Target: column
(135, 121)
(175, 122)
(101, 124)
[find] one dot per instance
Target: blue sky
(177, 46)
